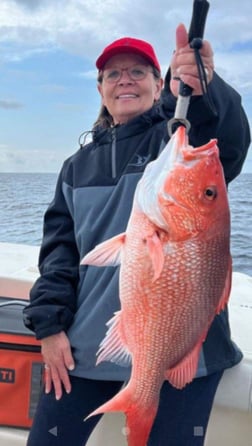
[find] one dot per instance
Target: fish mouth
(182, 152)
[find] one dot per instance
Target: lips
(127, 96)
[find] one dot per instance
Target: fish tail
(138, 425)
(139, 419)
(116, 404)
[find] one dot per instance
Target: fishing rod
(195, 36)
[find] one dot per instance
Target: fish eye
(210, 192)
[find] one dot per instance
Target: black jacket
(92, 203)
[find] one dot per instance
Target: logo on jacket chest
(139, 160)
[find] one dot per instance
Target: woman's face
(127, 98)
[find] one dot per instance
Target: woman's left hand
(183, 63)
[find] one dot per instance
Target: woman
(70, 305)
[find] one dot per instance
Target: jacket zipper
(113, 153)
(20, 347)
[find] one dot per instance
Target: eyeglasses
(136, 73)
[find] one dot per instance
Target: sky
(48, 92)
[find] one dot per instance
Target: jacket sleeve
(225, 120)
(53, 296)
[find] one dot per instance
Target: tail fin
(138, 425)
(139, 419)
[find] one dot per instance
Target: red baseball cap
(128, 45)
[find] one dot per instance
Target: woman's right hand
(57, 355)
(183, 63)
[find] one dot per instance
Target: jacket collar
(132, 127)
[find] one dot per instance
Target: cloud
(31, 4)
(10, 104)
(85, 27)
(236, 68)
(53, 88)
(90, 74)
(12, 160)
(31, 30)
(16, 52)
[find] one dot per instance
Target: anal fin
(185, 371)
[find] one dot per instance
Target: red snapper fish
(175, 276)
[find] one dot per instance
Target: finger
(174, 86)
(189, 70)
(58, 376)
(56, 380)
(61, 372)
(206, 50)
(181, 36)
(65, 381)
(68, 357)
(57, 354)
(47, 379)
(194, 83)
(69, 365)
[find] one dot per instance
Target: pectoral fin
(156, 253)
(107, 253)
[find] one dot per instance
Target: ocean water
(25, 197)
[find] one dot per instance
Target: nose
(125, 77)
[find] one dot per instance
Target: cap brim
(103, 58)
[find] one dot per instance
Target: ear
(159, 86)
(100, 89)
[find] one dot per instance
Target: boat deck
(231, 419)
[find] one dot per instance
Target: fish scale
(175, 276)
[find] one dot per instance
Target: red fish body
(175, 276)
